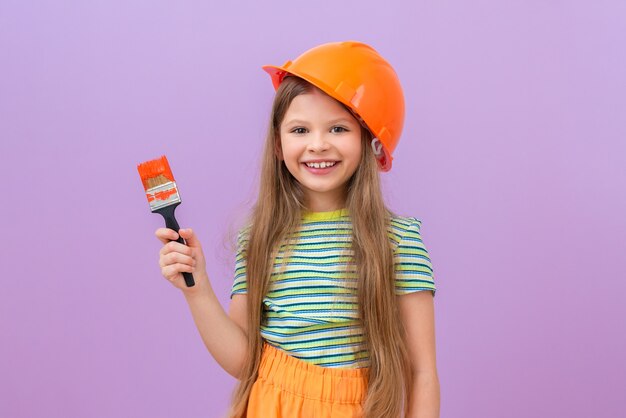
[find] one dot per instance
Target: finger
(190, 238)
(174, 246)
(166, 234)
(173, 269)
(175, 257)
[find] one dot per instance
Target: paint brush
(163, 196)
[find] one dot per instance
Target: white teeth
(323, 164)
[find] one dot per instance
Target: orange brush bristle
(158, 182)
(155, 172)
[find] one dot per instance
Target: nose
(318, 143)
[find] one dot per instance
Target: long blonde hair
(281, 197)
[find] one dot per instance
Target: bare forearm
(425, 396)
(224, 339)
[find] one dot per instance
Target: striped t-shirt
(310, 310)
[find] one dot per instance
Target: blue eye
(338, 129)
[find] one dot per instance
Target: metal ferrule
(164, 195)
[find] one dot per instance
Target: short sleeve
(240, 284)
(414, 271)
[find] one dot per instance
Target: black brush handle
(170, 222)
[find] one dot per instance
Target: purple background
(513, 156)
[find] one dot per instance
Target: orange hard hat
(357, 76)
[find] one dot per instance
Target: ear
(278, 149)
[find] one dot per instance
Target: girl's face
(321, 146)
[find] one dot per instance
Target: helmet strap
(377, 147)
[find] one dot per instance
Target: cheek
(289, 147)
(354, 149)
(284, 149)
(289, 153)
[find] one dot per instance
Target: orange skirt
(287, 387)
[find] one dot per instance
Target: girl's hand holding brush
(176, 258)
(224, 338)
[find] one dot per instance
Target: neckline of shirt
(324, 216)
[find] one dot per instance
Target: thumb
(190, 237)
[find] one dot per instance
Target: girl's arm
(418, 317)
(223, 335)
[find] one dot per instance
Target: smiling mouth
(323, 164)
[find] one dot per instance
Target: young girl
(331, 310)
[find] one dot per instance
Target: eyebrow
(332, 122)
